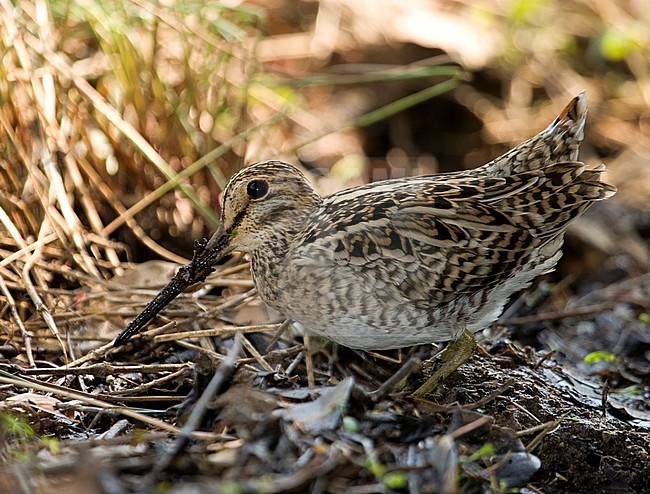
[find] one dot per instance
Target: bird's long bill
(204, 260)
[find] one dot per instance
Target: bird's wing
(439, 237)
(432, 238)
(465, 238)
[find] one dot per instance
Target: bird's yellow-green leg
(455, 355)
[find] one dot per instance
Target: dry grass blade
(80, 126)
(16, 317)
(90, 401)
(114, 117)
(222, 332)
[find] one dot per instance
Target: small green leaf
(615, 45)
(395, 480)
(375, 467)
(634, 390)
(484, 451)
(599, 356)
(350, 424)
(16, 427)
(644, 318)
(52, 444)
(233, 234)
(231, 487)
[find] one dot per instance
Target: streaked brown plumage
(414, 260)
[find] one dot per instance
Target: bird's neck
(268, 256)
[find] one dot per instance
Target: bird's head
(263, 201)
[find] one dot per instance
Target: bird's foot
(455, 355)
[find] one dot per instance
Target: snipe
(409, 261)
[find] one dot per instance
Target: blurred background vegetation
(121, 121)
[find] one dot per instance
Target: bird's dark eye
(256, 189)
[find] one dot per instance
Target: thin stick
(40, 306)
(256, 355)
(215, 355)
(410, 366)
(156, 382)
(18, 382)
(222, 332)
(41, 242)
(16, 317)
(278, 334)
(238, 299)
(548, 427)
(105, 369)
(95, 354)
(479, 422)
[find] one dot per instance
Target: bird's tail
(562, 192)
(558, 142)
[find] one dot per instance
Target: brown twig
(309, 361)
(221, 332)
(136, 390)
(19, 322)
(40, 306)
(256, 355)
(105, 369)
(73, 395)
(411, 366)
(546, 428)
